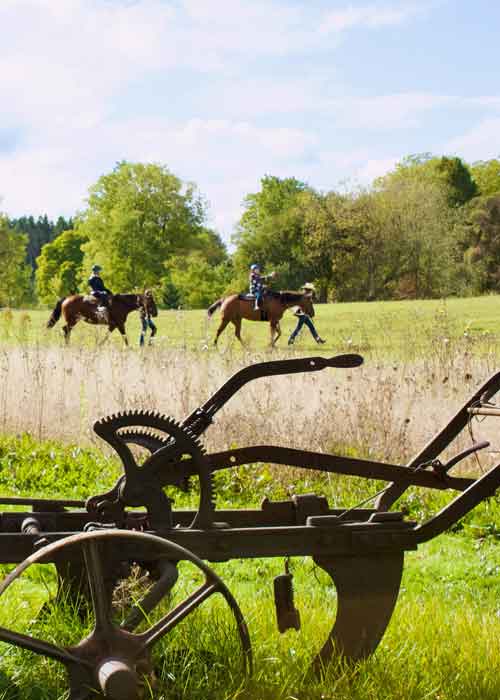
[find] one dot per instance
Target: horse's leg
(66, 331)
(111, 328)
(68, 327)
(121, 328)
(278, 332)
(237, 329)
(223, 324)
(274, 325)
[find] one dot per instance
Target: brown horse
(237, 307)
(86, 308)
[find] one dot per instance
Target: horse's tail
(56, 314)
(213, 307)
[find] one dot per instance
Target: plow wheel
(114, 658)
(367, 591)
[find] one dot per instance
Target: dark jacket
(97, 285)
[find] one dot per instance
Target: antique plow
(95, 545)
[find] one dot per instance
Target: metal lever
(199, 420)
(441, 470)
(444, 468)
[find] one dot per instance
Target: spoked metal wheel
(115, 657)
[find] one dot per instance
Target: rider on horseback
(257, 284)
(99, 291)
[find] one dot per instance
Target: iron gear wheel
(168, 441)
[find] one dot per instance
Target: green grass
(443, 642)
(383, 329)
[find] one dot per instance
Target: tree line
(428, 228)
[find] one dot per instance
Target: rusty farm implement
(133, 527)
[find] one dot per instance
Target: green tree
(451, 173)
(59, 266)
(39, 231)
(486, 174)
(367, 260)
(478, 235)
(418, 220)
(319, 237)
(270, 233)
(169, 295)
(457, 178)
(138, 217)
(14, 272)
(196, 281)
(211, 246)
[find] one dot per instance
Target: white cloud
(375, 167)
(40, 181)
(401, 110)
(371, 16)
(67, 67)
(481, 142)
(221, 156)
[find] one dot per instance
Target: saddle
(101, 312)
(251, 297)
(268, 294)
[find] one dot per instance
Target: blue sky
(224, 92)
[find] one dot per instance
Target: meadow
(383, 329)
(422, 360)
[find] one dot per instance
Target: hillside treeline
(428, 228)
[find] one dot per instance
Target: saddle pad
(90, 299)
(246, 297)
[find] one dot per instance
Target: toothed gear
(143, 486)
(144, 438)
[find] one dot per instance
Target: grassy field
(422, 360)
(382, 329)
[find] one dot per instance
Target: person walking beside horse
(236, 307)
(304, 319)
(146, 322)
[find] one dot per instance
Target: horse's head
(306, 303)
(149, 303)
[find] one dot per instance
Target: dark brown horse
(237, 307)
(86, 308)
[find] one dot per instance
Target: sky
(224, 92)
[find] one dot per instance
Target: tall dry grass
(385, 410)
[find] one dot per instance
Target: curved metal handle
(201, 417)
